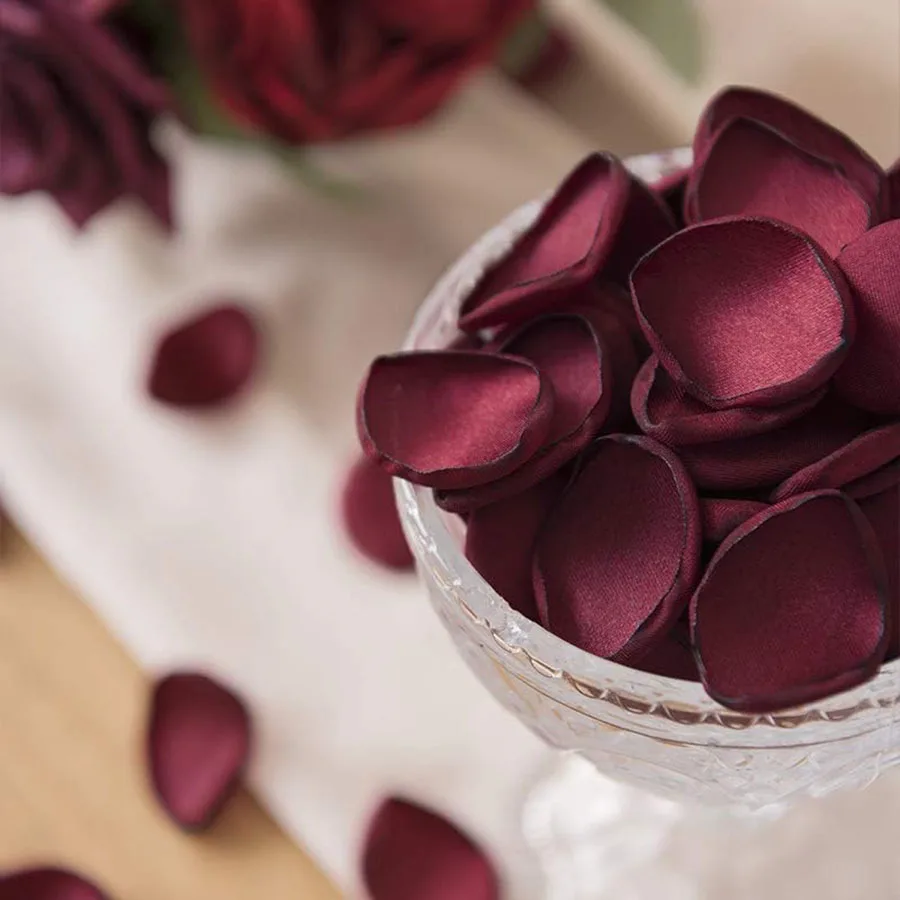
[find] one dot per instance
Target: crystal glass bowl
(660, 734)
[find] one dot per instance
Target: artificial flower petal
(801, 128)
(453, 419)
(206, 360)
(713, 302)
(411, 853)
(671, 191)
(855, 460)
(370, 516)
(47, 884)
(765, 460)
(870, 376)
(570, 354)
(614, 584)
(722, 515)
(751, 170)
(500, 542)
(666, 412)
(198, 739)
(876, 483)
(672, 657)
(792, 607)
(883, 513)
(600, 217)
(893, 176)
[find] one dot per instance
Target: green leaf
(673, 27)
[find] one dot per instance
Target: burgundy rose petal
(876, 483)
(714, 301)
(673, 656)
(751, 170)
(199, 741)
(861, 457)
(765, 460)
(792, 607)
(413, 854)
(883, 514)
(564, 249)
(801, 128)
(567, 351)
(47, 884)
(723, 515)
(619, 554)
(870, 377)
(671, 190)
(666, 412)
(206, 360)
(370, 516)
(453, 419)
(894, 190)
(500, 542)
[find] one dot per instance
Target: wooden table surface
(72, 785)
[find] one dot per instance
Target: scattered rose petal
(570, 354)
(765, 460)
(876, 483)
(607, 298)
(500, 542)
(883, 513)
(714, 301)
(453, 419)
(870, 377)
(894, 190)
(672, 657)
(666, 412)
(206, 360)
(370, 516)
(47, 884)
(413, 854)
(751, 170)
(613, 584)
(722, 515)
(600, 220)
(792, 607)
(671, 190)
(861, 457)
(198, 745)
(801, 128)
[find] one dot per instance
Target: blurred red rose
(77, 106)
(316, 70)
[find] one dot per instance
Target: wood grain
(72, 787)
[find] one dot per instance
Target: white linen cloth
(212, 540)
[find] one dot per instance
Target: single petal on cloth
(370, 517)
(411, 853)
(800, 127)
(793, 606)
(570, 354)
(600, 220)
(500, 542)
(206, 360)
(722, 515)
(47, 884)
(765, 460)
(751, 170)
(453, 419)
(870, 376)
(861, 457)
(619, 554)
(744, 312)
(666, 412)
(883, 513)
(198, 742)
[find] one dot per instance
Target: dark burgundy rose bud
(751, 170)
(618, 556)
(870, 377)
(744, 312)
(793, 606)
(411, 853)
(305, 71)
(77, 107)
(802, 128)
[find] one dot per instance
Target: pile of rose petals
(701, 480)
